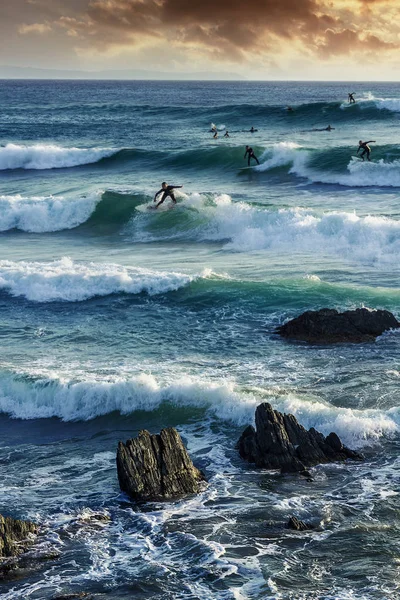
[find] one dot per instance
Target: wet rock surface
(280, 442)
(157, 467)
(15, 536)
(297, 525)
(330, 327)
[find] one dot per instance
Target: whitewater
(116, 318)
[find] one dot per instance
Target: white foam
(43, 214)
(282, 154)
(72, 281)
(360, 173)
(392, 104)
(83, 400)
(49, 156)
(247, 228)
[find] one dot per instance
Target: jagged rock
(330, 327)
(280, 442)
(297, 525)
(156, 467)
(15, 536)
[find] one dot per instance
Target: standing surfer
(168, 193)
(250, 153)
(366, 149)
(351, 99)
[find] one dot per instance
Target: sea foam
(49, 156)
(71, 281)
(44, 214)
(244, 227)
(30, 398)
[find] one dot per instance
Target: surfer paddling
(167, 191)
(250, 153)
(366, 150)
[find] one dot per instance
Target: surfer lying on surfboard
(168, 193)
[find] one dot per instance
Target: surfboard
(152, 207)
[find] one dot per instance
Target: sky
(257, 39)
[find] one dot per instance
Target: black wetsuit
(366, 149)
(250, 153)
(351, 99)
(168, 193)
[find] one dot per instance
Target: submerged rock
(156, 467)
(280, 442)
(330, 327)
(297, 525)
(15, 536)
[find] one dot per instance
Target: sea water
(115, 318)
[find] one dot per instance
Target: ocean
(115, 318)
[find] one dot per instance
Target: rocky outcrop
(297, 525)
(15, 536)
(328, 326)
(280, 442)
(157, 467)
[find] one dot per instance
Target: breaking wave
(49, 156)
(66, 280)
(26, 397)
(45, 214)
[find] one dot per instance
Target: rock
(329, 326)
(157, 467)
(280, 442)
(15, 536)
(297, 525)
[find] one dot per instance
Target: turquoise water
(114, 318)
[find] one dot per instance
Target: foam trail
(391, 104)
(71, 281)
(359, 174)
(380, 173)
(250, 228)
(49, 156)
(29, 398)
(45, 214)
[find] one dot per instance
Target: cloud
(39, 28)
(259, 32)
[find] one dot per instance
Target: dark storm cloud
(232, 27)
(218, 29)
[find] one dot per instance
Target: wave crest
(45, 214)
(71, 281)
(49, 156)
(29, 398)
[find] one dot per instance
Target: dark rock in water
(280, 442)
(329, 326)
(297, 525)
(15, 536)
(157, 467)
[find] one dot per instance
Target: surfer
(289, 109)
(226, 134)
(250, 153)
(252, 130)
(351, 98)
(168, 193)
(215, 135)
(329, 128)
(366, 149)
